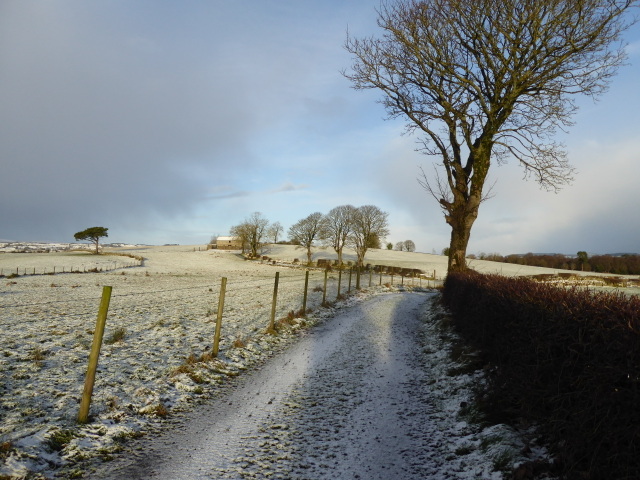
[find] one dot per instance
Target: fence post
(339, 281)
(350, 273)
(304, 297)
(358, 278)
(324, 290)
(90, 379)
(370, 275)
(380, 276)
(216, 337)
(272, 322)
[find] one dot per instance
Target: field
(159, 332)
(160, 326)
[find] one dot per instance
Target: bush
(567, 360)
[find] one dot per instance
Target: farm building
(228, 243)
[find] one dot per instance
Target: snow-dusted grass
(153, 362)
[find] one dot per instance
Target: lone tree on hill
(485, 80)
(94, 234)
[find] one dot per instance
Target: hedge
(566, 359)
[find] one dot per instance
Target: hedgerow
(566, 359)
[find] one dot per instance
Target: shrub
(117, 336)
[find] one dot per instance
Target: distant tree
(389, 246)
(241, 232)
(445, 251)
(409, 246)
(94, 234)
(374, 241)
(483, 81)
(275, 230)
(583, 258)
(306, 231)
(399, 246)
(369, 226)
(336, 227)
(252, 233)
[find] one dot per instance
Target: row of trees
(406, 246)
(628, 264)
(360, 228)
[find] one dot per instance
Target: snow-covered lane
(343, 399)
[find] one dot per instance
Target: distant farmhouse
(228, 243)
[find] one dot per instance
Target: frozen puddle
(350, 400)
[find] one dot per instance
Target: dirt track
(358, 397)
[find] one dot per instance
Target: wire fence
(71, 267)
(167, 319)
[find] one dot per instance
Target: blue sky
(169, 122)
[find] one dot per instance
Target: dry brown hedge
(565, 359)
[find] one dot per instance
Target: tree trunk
(462, 214)
(460, 234)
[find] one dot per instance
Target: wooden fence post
(358, 278)
(370, 275)
(90, 379)
(350, 274)
(216, 337)
(381, 276)
(272, 322)
(339, 281)
(304, 296)
(324, 290)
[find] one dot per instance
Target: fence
(151, 333)
(94, 266)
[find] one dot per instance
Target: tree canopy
(94, 234)
(486, 80)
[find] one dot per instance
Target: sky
(170, 122)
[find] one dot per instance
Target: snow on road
(369, 394)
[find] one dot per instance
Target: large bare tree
(485, 80)
(336, 227)
(306, 231)
(369, 225)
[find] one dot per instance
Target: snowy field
(161, 321)
(160, 324)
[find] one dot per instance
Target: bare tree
(409, 246)
(336, 227)
(252, 233)
(399, 246)
(306, 231)
(241, 232)
(369, 225)
(487, 80)
(275, 230)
